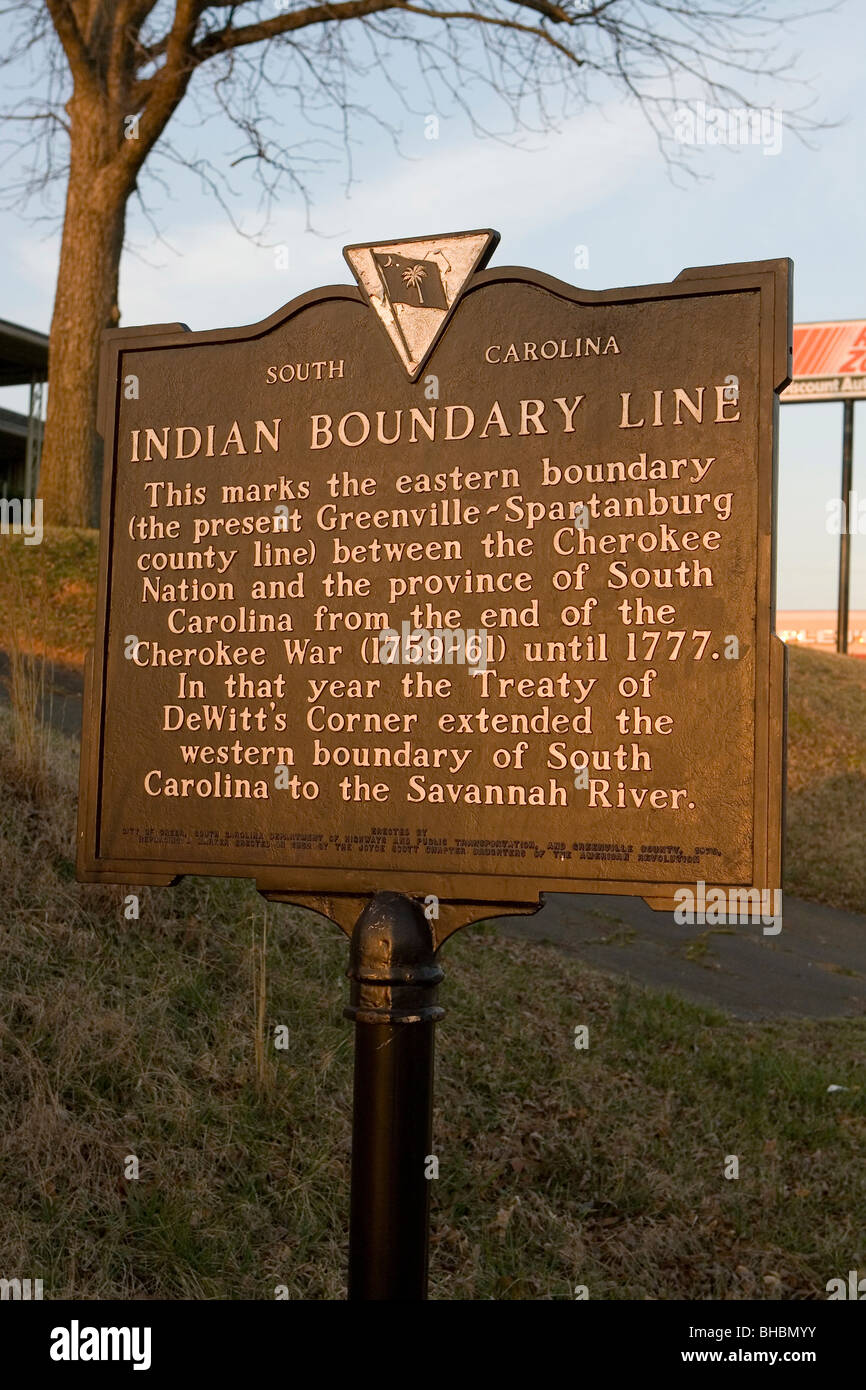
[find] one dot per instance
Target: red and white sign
(829, 361)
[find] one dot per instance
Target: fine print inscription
(477, 606)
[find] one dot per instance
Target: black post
(845, 538)
(394, 978)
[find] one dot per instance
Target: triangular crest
(414, 285)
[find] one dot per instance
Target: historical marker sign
(458, 582)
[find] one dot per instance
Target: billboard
(829, 361)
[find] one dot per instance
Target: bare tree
(108, 75)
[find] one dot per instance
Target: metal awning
(12, 424)
(23, 355)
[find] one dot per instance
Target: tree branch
(226, 39)
(167, 89)
(70, 36)
(499, 23)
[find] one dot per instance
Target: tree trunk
(85, 303)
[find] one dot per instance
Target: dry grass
(557, 1167)
(825, 850)
(22, 620)
(259, 963)
(153, 1036)
(59, 579)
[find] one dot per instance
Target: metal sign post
(845, 535)
(393, 1005)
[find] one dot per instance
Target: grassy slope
(58, 578)
(557, 1167)
(825, 848)
(826, 829)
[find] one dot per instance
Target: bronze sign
(459, 583)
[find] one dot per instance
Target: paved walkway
(814, 968)
(63, 695)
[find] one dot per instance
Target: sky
(592, 202)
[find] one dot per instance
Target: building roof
(13, 424)
(23, 354)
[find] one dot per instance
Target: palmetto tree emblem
(413, 277)
(413, 285)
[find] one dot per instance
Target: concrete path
(814, 968)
